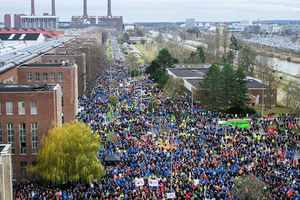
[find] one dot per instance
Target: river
(281, 65)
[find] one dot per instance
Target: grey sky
(165, 10)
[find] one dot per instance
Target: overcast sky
(165, 10)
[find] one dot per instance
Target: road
(115, 49)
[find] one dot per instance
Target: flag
(289, 192)
(139, 182)
(114, 178)
(153, 182)
(171, 195)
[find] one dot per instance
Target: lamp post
(266, 102)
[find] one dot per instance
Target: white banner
(139, 182)
(153, 182)
(171, 195)
(196, 182)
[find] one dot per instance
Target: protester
(179, 140)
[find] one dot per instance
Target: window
(0, 133)
(33, 107)
(37, 77)
(73, 61)
(62, 97)
(34, 138)
(55, 61)
(9, 108)
(50, 61)
(67, 61)
(14, 170)
(29, 77)
(10, 137)
(60, 77)
(45, 77)
(21, 107)
(35, 176)
(61, 61)
(23, 171)
(62, 118)
(52, 77)
(22, 131)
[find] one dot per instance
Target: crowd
(180, 145)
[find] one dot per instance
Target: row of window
(21, 106)
(22, 135)
(45, 77)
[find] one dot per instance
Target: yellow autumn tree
(69, 153)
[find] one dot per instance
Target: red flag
(233, 152)
(114, 178)
(289, 192)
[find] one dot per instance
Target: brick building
(191, 78)
(66, 75)
(27, 112)
(78, 58)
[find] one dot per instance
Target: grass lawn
(277, 110)
(143, 51)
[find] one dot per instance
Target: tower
(109, 15)
(85, 9)
(53, 7)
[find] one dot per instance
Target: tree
(174, 28)
(240, 97)
(152, 104)
(126, 37)
(104, 36)
(69, 153)
(165, 59)
(113, 100)
(132, 61)
(193, 59)
(217, 43)
(201, 54)
(229, 58)
(211, 87)
(234, 43)
(225, 36)
(173, 89)
(182, 35)
(152, 67)
(227, 83)
(160, 38)
(249, 188)
(294, 97)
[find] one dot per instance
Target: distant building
(236, 28)
(190, 22)
(12, 20)
(246, 22)
(129, 26)
(6, 191)
(37, 37)
(44, 21)
(28, 111)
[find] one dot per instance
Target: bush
(134, 73)
(113, 100)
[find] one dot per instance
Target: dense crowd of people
(180, 145)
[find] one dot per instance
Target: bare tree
(249, 188)
(225, 38)
(217, 43)
(294, 97)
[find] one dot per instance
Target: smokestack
(32, 8)
(109, 9)
(96, 15)
(53, 7)
(85, 9)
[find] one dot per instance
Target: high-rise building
(190, 22)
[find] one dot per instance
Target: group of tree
(157, 67)
(124, 38)
(225, 89)
(196, 57)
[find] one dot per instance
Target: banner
(171, 195)
(139, 182)
(153, 182)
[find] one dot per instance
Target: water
(281, 65)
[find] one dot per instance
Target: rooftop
(188, 72)
(47, 65)
(252, 83)
(27, 88)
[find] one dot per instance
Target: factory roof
(19, 36)
(187, 72)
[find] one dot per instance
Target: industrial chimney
(109, 9)
(32, 8)
(53, 7)
(85, 9)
